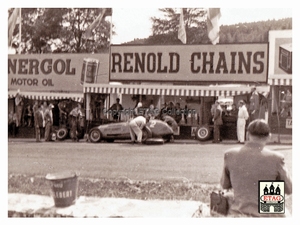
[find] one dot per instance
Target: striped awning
(78, 97)
(283, 80)
(171, 90)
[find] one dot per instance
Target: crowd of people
(173, 114)
(43, 121)
(169, 109)
(22, 116)
(242, 114)
(42, 116)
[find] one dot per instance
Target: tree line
(62, 30)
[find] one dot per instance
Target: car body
(121, 131)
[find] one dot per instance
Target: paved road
(194, 162)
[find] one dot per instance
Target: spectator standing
(12, 123)
(241, 122)
(263, 108)
(151, 112)
(234, 111)
(28, 115)
(38, 122)
(164, 110)
(171, 109)
(19, 108)
(44, 106)
(63, 114)
(178, 113)
(116, 109)
(245, 166)
(35, 108)
(254, 104)
(186, 112)
(48, 117)
(92, 109)
(98, 103)
(75, 115)
(213, 109)
(286, 104)
(137, 111)
(217, 119)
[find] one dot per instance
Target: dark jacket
(38, 118)
(218, 117)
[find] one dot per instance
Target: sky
(131, 23)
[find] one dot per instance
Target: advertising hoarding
(212, 63)
(52, 72)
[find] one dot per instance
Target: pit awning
(282, 80)
(78, 97)
(172, 90)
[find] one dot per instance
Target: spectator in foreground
(245, 166)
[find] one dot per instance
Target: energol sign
(50, 72)
(215, 63)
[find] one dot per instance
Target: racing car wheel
(62, 133)
(95, 135)
(203, 133)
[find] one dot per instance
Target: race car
(154, 129)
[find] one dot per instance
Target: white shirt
(243, 113)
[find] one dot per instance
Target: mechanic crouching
(137, 124)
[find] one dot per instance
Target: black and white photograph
(150, 111)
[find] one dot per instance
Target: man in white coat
(243, 115)
(136, 126)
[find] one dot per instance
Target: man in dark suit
(38, 121)
(217, 118)
(254, 104)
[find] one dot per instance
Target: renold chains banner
(215, 63)
(51, 72)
